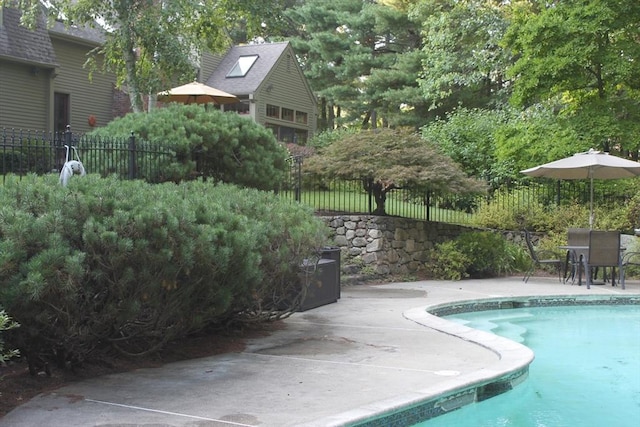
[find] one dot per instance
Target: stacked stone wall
(385, 245)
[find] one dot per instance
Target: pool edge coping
(514, 361)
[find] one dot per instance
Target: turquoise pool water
(586, 371)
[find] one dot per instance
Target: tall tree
(333, 40)
(352, 53)
(392, 88)
(463, 63)
(153, 43)
(582, 56)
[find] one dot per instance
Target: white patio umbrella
(197, 93)
(588, 165)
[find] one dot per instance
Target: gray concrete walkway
(373, 350)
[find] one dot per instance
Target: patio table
(581, 252)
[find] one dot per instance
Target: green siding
(288, 89)
(87, 97)
(208, 63)
(24, 97)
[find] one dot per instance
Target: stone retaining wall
(383, 245)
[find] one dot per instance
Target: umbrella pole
(591, 203)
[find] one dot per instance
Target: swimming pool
(586, 371)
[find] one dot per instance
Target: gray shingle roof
(20, 43)
(88, 35)
(268, 55)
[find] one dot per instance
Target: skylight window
(242, 67)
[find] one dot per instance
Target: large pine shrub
(104, 263)
(223, 146)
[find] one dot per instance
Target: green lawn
(357, 201)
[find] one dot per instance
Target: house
(271, 86)
(44, 85)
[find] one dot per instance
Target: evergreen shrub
(108, 264)
(224, 146)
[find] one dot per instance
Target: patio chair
(604, 251)
(541, 258)
(630, 258)
(575, 237)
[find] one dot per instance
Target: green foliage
(633, 211)
(476, 254)
(327, 138)
(106, 264)
(582, 53)
(488, 252)
(27, 155)
(151, 43)
(386, 159)
(448, 262)
(512, 210)
(6, 324)
(226, 146)
(468, 137)
(463, 63)
(523, 207)
(535, 136)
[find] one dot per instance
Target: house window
(242, 67)
(287, 114)
(61, 111)
(301, 118)
(273, 111)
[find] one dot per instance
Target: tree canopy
(582, 56)
(151, 45)
(389, 159)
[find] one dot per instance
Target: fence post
(370, 194)
(132, 156)
(298, 186)
(427, 202)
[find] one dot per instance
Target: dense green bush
(476, 254)
(515, 211)
(225, 146)
(106, 264)
(448, 262)
(518, 210)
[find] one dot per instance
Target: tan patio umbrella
(197, 93)
(588, 165)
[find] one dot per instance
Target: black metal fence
(23, 152)
(339, 196)
(130, 158)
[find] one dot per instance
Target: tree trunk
(330, 117)
(379, 192)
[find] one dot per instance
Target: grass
(397, 204)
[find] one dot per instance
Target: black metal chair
(629, 258)
(541, 258)
(604, 251)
